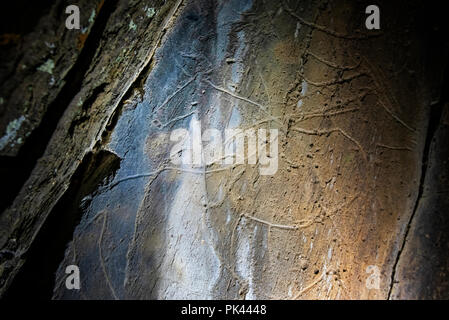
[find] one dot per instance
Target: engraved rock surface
(352, 109)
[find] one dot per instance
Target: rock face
(422, 265)
(342, 191)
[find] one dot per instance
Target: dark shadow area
(21, 16)
(36, 278)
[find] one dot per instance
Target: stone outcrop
(359, 189)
